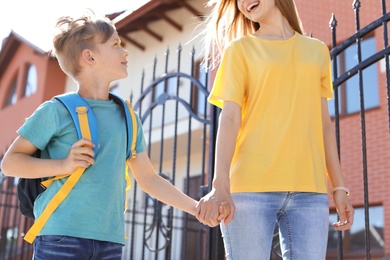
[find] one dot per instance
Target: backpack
(29, 189)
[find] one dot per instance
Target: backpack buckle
(81, 110)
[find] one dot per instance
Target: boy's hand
(224, 211)
(80, 155)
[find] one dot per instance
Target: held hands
(214, 208)
(223, 211)
(344, 210)
(80, 155)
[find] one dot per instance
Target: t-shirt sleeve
(140, 145)
(326, 75)
(230, 80)
(41, 126)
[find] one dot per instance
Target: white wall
(143, 60)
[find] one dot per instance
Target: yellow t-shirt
(279, 85)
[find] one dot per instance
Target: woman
(276, 147)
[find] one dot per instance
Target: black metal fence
(355, 75)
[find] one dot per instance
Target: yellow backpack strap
(131, 125)
(133, 152)
(72, 101)
(48, 182)
(66, 187)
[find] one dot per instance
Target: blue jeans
(71, 248)
(303, 220)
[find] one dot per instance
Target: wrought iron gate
(180, 129)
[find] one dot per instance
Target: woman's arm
(336, 178)
(229, 125)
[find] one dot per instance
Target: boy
(90, 221)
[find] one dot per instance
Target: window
(168, 86)
(2, 176)
(31, 80)
(12, 96)
(348, 92)
(199, 98)
(9, 237)
(353, 239)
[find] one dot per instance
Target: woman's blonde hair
(227, 23)
(75, 34)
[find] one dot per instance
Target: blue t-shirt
(94, 209)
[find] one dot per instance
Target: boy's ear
(87, 56)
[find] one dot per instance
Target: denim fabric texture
(303, 220)
(70, 248)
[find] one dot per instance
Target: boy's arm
(156, 186)
(19, 162)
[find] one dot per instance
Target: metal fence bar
(386, 45)
(356, 6)
(333, 26)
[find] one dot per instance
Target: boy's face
(111, 59)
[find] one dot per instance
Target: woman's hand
(344, 209)
(215, 207)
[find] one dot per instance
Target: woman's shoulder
(312, 41)
(241, 43)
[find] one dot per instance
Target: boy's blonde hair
(227, 23)
(75, 34)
